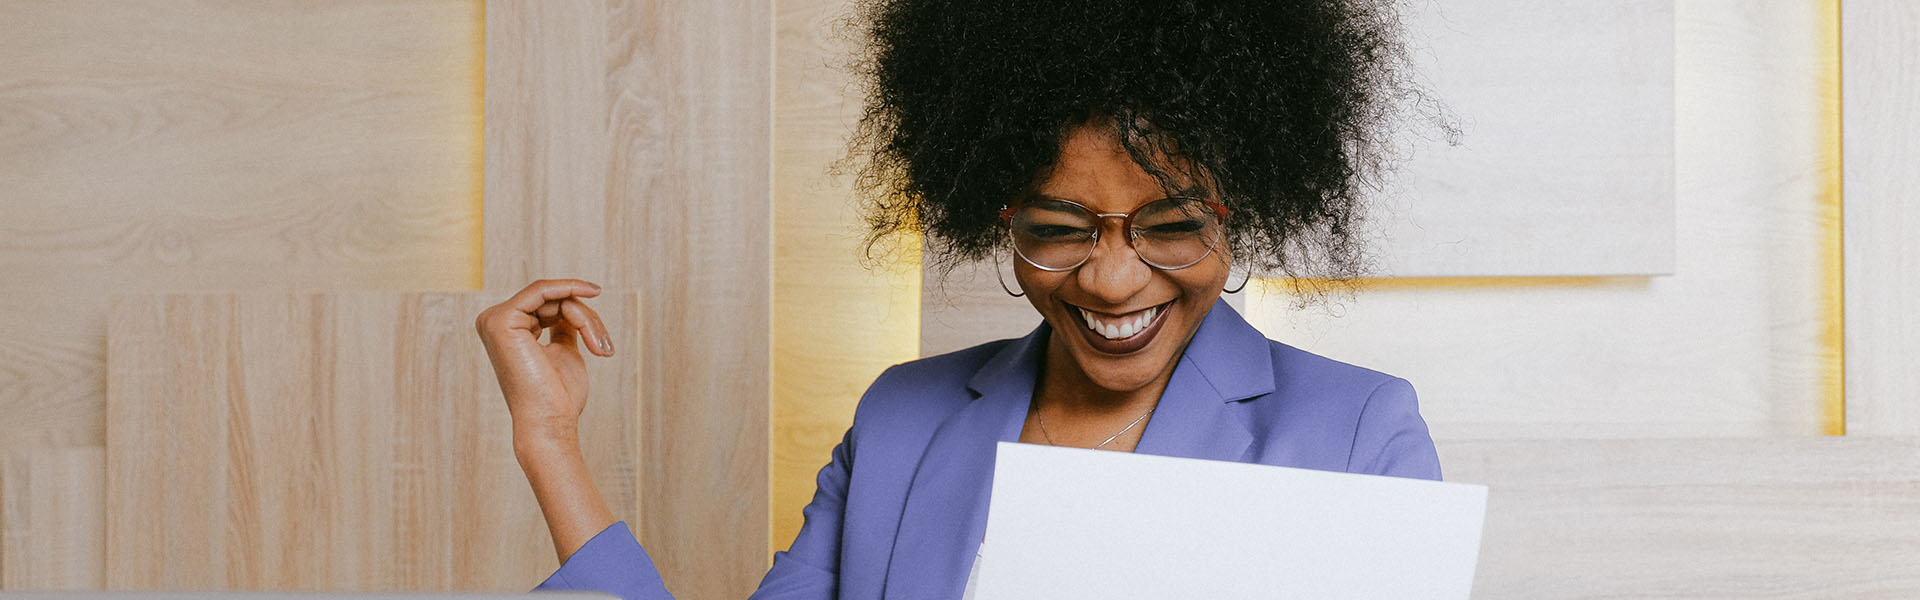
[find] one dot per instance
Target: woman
(1124, 157)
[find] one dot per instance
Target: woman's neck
(1066, 388)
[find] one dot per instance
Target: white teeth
(1122, 329)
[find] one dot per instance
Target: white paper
(1068, 523)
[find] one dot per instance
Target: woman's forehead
(1094, 170)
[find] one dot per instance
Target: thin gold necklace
(1042, 417)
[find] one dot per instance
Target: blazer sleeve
(1391, 438)
(611, 562)
(809, 569)
(614, 561)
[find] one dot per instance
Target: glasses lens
(1176, 232)
(1054, 235)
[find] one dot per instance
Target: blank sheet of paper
(1069, 523)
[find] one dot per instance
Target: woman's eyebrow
(1192, 191)
(1050, 202)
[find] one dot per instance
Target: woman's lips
(1136, 329)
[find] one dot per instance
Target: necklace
(1042, 417)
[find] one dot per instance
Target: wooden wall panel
(548, 143)
(1882, 96)
(1735, 343)
(52, 516)
(630, 142)
(160, 145)
(837, 324)
(156, 145)
(332, 442)
(1696, 518)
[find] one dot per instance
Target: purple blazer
(901, 509)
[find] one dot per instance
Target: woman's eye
(1057, 232)
(1175, 228)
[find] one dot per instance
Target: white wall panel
(1731, 344)
(1696, 518)
(1565, 160)
(1881, 42)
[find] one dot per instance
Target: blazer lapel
(1228, 361)
(946, 507)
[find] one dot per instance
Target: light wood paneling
(159, 145)
(156, 145)
(52, 514)
(548, 144)
(1881, 46)
(332, 442)
(630, 142)
(1733, 344)
(1696, 518)
(837, 324)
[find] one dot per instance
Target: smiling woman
(1130, 155)
(1122, 306)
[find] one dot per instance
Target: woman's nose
(1114, 272)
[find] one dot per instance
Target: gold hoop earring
(1243, 284)
(1002, 278)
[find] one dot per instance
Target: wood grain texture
(52, 514)
(1881, 51)
(1732, 344)
(1696, 518)
(630, 142)
(156, 145)
(548, 143)
(332, 442)
(159, 145)
(837, 324)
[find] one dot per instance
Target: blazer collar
(945, 514)
(1228, 361)
(946, 507)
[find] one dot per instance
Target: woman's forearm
(564, 488)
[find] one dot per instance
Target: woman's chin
(1123, 374)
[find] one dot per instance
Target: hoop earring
(1002, 278)
(1243, 284)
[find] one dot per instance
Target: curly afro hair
(1280, 108)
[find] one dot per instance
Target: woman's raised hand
(545, 384)
(546, 388)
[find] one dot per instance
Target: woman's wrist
(544, 442)
(562, 485)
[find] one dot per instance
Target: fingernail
(606, 345)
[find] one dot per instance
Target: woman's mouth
(1121, 333)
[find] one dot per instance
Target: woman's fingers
(574, 317)
(587, 322)
(562, 334)
(536, 294)
(550, 304)
(545, 385)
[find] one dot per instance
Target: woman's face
(1114, 287)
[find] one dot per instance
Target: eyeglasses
(1171, 233)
